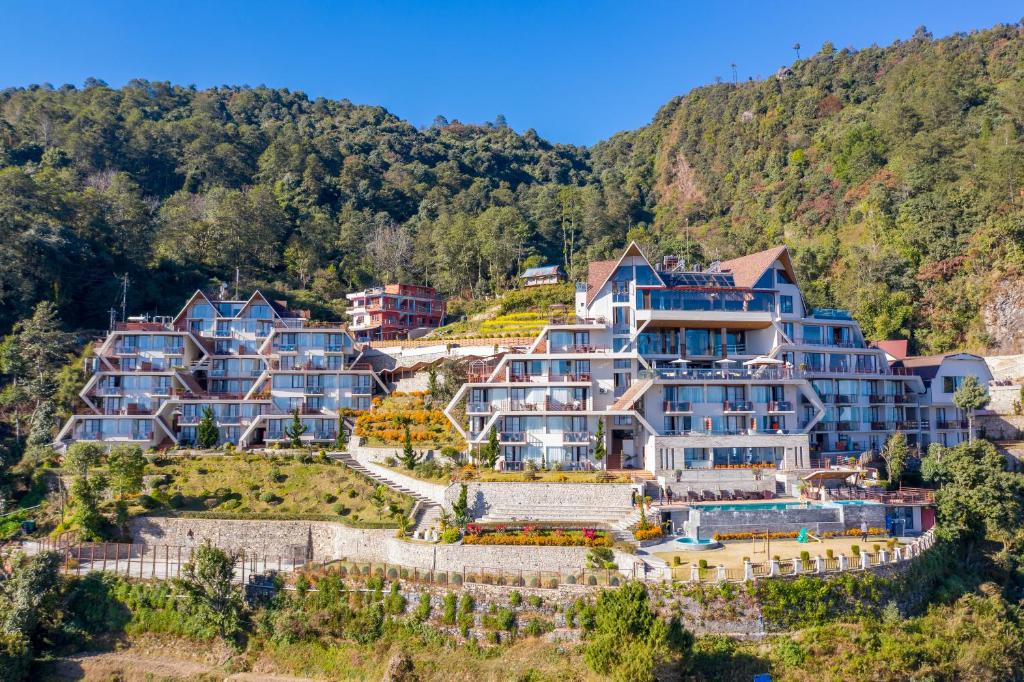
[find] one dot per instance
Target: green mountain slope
(894, 173)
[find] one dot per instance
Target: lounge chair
(740, 495)
(726, 495)
(692, 496)
(708, 496)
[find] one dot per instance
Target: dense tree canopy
(894, 173)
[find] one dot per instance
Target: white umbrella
(680, 361)
(762, 360)
(724, 361)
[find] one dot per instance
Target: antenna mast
(236, 282)
(124, 297)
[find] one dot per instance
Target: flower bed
(647, 533)
(535, 536)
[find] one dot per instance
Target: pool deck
(732, 552)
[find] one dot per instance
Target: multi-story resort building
(941, 420)
(254, 363)
(683, 370)
(394, 311)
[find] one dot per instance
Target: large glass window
(786, 304)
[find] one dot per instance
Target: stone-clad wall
(328, 540)
(835, 519)
(578, 497)
(336, 541)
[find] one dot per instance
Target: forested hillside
(894, 174)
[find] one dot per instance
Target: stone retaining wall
(330, 541)
(575, 497)
(704, 523)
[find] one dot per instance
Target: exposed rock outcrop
(1003, 315)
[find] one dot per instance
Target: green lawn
(261, 487)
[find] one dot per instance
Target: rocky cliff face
(1003, 315)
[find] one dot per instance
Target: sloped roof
(542, 271)
(927, 366)
(746, 270)
(598, 272)
(897, 348)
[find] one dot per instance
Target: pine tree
(599, 450)
(207, 433)
(341, 438)
(410, 458)
(295, 430)
(489, 453)
(969, 397)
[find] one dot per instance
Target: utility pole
(236, 282)
(734, 78)
(796, 46)
(124, 296)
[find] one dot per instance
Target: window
(786, 304)
(951, 384)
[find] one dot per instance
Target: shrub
(805, 556)
(457, 579)
(677, 560)
(855, 549)
(448, 609)
(536, 627)
(553, 583)
(591, 579)
(702, 564)
(450, 535)
(830, 554)
(148, 502)
(648, 533)
(535, 601)
(340, 509)
(515, 598)
(392, 573)
(176, 501)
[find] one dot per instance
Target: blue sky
(575, 71)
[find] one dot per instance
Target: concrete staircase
(429, 511)
(621, 530)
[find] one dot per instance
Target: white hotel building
(689, 370)
(252, 362)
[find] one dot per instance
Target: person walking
(864, 531)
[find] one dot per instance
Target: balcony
(843, 399)
(142, 435)
(229, 420)
(882, 426)
(512, 437)
(577, 437)
(578, 377)
(912, 425)
(737, 406)
(362, 389)
(573, 406)
(314, 390)
(671, 406)
(780, 406)
(161, 391)
(573, 348)
(285, 348)
(874, 398)
(948, 425)
(518, 406)
(903, 399)
(334, 348)
(478, 408)
(108, 392)
(846, 426)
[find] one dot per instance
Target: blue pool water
(779, 506)
(693, 541)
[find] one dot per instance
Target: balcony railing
(737, 406)
(478, 408)
(577, 437)
(552, 405)
(913, 425)
(842, 399)
(677, 406)
(882, 426)
(313, 390)
(576, 376)
(902, 399)
(875, 398)
(512, 437)
(846, 426)
(952, 424)
(726, 374)
(780, 406)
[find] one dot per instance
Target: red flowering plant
(528, 529)
(589, 533)
(473, 529)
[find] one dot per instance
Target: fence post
(721, 573)
(153, 565)
(177, 571)
(773, 568)
(104, 557)
(883, 557)
(694, 573)
(865, 562)
(748, 571)
(819, 564)
(843, 562)
(798, 566)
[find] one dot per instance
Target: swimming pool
(781, 506)
(758, 506)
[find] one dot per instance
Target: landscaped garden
(395, 415)
(234, 486)
(536, 535)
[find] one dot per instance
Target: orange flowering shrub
(648, 533)
(586, 537)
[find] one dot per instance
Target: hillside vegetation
(894, 173)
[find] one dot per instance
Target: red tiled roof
(897, 348)
(746, 270)
(598, 273)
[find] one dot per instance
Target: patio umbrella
(724, 361)
(762, 360)
(680, 361)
